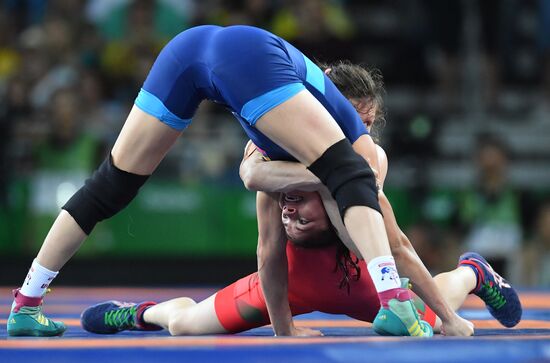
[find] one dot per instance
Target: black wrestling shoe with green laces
(112, 317)
(499, 296)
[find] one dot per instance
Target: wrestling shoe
(112, 317)
(399, 317)
(499, 296)
(26, 318)
(424, 311)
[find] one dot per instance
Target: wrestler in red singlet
(315, 280)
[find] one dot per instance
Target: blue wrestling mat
(346, 340)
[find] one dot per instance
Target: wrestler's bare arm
(409, 263)
(277, 176)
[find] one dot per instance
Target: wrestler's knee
(181, 319)
(178, 324)
(348, 177)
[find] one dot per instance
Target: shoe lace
(122, 318)
(420, 329)
(421, 332)
(492, 296)
(34, 311)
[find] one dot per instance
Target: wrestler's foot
(26, 318)
(112, 317)
(500, 297)
(399, 317)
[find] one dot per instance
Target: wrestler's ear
(328, 70)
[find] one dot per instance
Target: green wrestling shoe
(26, 319)
(399, 317)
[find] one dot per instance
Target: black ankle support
(348, 176)
(107, 192)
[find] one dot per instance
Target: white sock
(37, 281)
(383, 273)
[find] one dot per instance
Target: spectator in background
(427, 242)
(445, 31)
(14, 110)
(16, 139)
(251, 12)
(24, 13)
(544, 44)
(132, 45)
(62, 160)
(56, 42)
(100, 114)
(317, 27)
(133, 19)
(67, 147)
(490, 212)
(536, 261)
(9, 56)
(450, 24)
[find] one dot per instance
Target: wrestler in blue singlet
(247, 69)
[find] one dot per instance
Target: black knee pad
(348, 176)
(106, 193)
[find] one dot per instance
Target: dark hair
(357, 81)
(348, 265)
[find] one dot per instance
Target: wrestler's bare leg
(141, 145)
(455, 286)
(183, 316)
(304, 118)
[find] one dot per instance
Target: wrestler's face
(366, 110)
(302, 214)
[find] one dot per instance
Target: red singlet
(313, 285)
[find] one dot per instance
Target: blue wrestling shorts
(246, 69)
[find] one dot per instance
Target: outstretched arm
(272, 263)
(272, 266)
(410, 265)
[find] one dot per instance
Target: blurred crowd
(70, 70)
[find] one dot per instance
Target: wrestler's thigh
(142, 143)
(301, 126)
